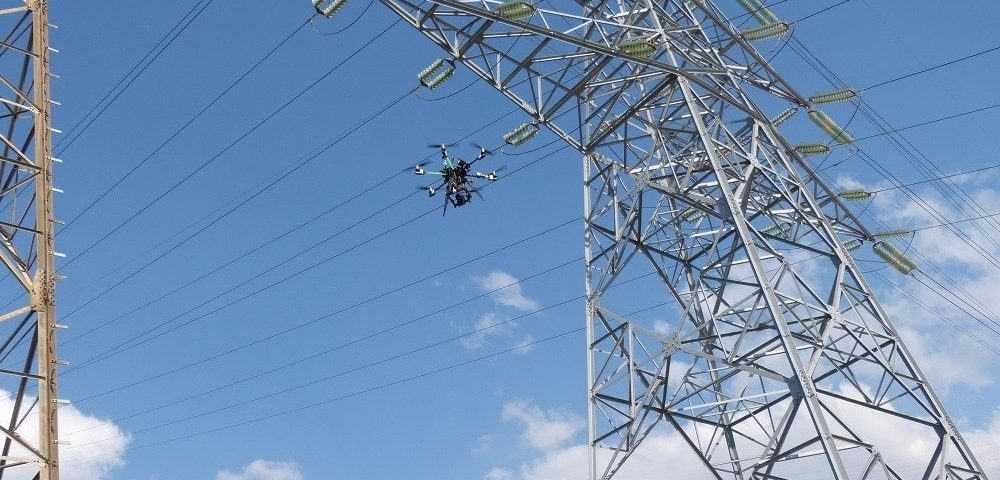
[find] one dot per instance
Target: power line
(309, 158)
(831, 7)
(831, 77)
(343, 345)
(991, 215)
(286, 173)
(932, 68)
(386, 385)
(345, 396)
(184, 127)
(336, 375)
(69, 134)
(959, 174)
(124, 346)
(930, 122)
(235, 142)
(370, 336)
(254, 191)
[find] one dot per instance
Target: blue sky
(516, 415)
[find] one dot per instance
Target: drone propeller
(440, 145)
(492, 176)
(430, 190)
(481, 148)
(424, 163)
(476, 191)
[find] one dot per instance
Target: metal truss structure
(771, 357)
(27, 324)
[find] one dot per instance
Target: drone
(458, 177)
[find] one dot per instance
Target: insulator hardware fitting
(855, 194)
(436, 73)
(825, 123)
(521, 134)
(759, 11)
(638, 47)
(330, 9)
(895, 258)
(784, 116)
(516, 10)
(833, 97)
(812, 149)
(765, 32)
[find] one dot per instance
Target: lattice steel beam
(775, 351)
(28, 349)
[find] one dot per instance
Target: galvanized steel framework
(771, 357)
(27, 324)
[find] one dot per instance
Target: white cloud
(524, 345)
(96, 446)
(666, 451)
(543, 429)
(956, 366)
(984, 443)
(261, 469)
(486, 326)
(499, 474)
(508, 292)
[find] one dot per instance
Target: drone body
(457, 181)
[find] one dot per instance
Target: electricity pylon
(771, 357)
(28, 352)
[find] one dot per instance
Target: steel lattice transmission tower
(772, 358)
(27, 325)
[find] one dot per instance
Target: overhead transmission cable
(125, 81)
(231, 210)
(327, 316)
(345, 396)
(953, 175)
(382, 332)
(205, 164)
(383, 360)
(369, 337)
(184, 126)
(925, 166)
(285, 173)
(235, 142)
(315, 381)
(124, 346)
(816, 64)
(930, 69)
(254, 191)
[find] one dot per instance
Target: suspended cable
(232, 144)
(286, 173)
(811, 15)
(183, 127)
(954, 222)
(258, 247)
(953, 175)
(831, 77)
(932, 68)
(345, 396)
(124, 346)
(70, 133)
(312, 21)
